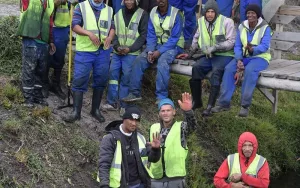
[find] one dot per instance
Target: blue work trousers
(61, 39)
(225, 7)
(188, 8)
(84, 63)
(120, 66)
(141, 64)
(252, 68)
(216, 64)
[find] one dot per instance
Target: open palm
(186, 102)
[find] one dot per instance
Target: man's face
(130, 124)
(247, 149)
(98, 1)
(210, 15)
(162, 3)
(167, 113)
(251, 16)
(130, 4)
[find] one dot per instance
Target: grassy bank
(40, 150)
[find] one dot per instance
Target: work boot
(218, 109)
(55, 87)
(244, 112)
(38, 97)
(28, 103)
(77, 105)
(196, 89)
(131, 98)
(214, 92)
(95, 112)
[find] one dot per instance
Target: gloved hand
(210, 50)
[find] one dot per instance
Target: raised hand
(186, 102)
(155, 140)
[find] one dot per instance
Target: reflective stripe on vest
(259, 33)
(102, 28)
(163, 28)
(128, 35)
(115, 173)
(34, 23)
(206, 41)
(62, 16)
(253, 169)
(174, 154)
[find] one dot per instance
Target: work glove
(210, 50)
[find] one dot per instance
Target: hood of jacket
(250, 137)
(260, 23)
(113, 128)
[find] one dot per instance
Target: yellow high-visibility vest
(62, 16)
(100, 29)
(233, 161)
(163, 30)
(206, 41)
(259, 33)
(128, 35)
(174, 154)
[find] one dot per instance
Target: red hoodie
(262, 180)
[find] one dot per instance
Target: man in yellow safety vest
(170, 170)
(124, 153)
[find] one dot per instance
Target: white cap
(136, 1)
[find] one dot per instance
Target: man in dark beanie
(124, 153)
(243, 8)
(215, 37)
(252, 55)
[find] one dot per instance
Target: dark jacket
(107, 150)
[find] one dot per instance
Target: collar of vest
(162, 124)
(261, 22)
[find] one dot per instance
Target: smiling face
(247, 149)
(252, 16)
(130, 4)
(167, 113)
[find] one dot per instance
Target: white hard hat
(136, 1)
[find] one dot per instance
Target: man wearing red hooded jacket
(244, 169)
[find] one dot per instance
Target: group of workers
(232, 51)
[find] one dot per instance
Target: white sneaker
(109, 107)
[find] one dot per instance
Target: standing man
(164, 42)
(61, 38)
(131, 32)
(124, 153)
(188, 8)
(92, 21)
(244, 169)
(35, 28)
(215, 37)
(170, 170)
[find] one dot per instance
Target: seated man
(245, 168)
(252, 55)
(164, 42)
(218, 49)
(131, 30)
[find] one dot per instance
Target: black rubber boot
(38, 97)
(196, 89)
(214, 92)
(77, 105)
(55, 87)
(95, 112)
